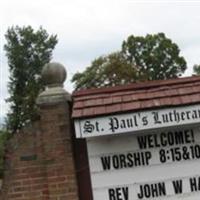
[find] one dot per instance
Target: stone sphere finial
(54, 74)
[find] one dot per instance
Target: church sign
(153, 154)
(143, 139)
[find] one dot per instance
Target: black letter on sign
(111, 193)
(142, 141)
(178, 186)
(156, 118)
(105, 162)
(88, 127)
(114, 124)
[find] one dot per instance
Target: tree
(141, 58)
(4, 136)
(27, 52)
(196, 69)
(104, 71)
(154, 55)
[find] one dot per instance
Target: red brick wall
(40, 160)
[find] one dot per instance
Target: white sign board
(137, 121)
(154, 165)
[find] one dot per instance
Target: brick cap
(53, 96)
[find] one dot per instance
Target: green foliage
(154, 55)
(3, 139)
(141, 58)
(104, 71)
(27, 51)
(196, 69)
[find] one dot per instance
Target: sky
(87, 29)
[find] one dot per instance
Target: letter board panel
(154, 165)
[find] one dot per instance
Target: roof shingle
(138, 96)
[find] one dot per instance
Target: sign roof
(136, 97)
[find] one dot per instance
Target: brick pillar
(55, 112)
(39, 159)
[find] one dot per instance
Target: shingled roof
(135, 97)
